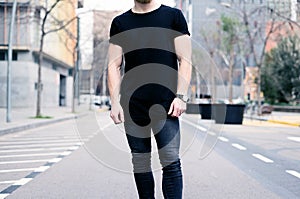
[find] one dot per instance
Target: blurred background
(55, 54)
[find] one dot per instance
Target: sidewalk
(23, 118)
(283, 118)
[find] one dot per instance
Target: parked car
(266, 108)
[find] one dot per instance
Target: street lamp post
(9, 60)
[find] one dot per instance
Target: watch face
(183, 97)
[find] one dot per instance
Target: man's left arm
(184, 53)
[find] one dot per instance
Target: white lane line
(24, 161)
(262, 158)
(66, 153)
(194, 125)
(223, 139)
(297, 139)
(238, 146)
(41, 169)
(294, 173)
(30, 155)
(39, 145)
(40, 138)
(38, 149)
(8, 182)
(39, 142)
(55, 160)
(23, 181)
(17, 170)
(3, 195)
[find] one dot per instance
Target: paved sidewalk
(23, 118)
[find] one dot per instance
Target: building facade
(58, 52)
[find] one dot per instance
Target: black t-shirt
(151, 64)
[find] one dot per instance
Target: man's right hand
(117, 113)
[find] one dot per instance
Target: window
(15, 56)
(4, 55)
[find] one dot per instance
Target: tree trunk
(39, 82)
(258, 89)
(231, 76)
(212, 80)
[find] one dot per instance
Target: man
(153, 38)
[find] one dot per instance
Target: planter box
(228, 113)
(203, 109)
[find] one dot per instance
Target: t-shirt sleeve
(180, 24)
(114, 31)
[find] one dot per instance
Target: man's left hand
(177, 107)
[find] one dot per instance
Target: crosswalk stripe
(24, 161)
(39, 142)
(17, 170)
(39, 145)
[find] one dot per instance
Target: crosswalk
(25, 155)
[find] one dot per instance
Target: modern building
(94, 26)
(58, 52)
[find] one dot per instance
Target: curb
(283, 122)
(37, 124)
(273, 121)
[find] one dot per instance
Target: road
(89, 158)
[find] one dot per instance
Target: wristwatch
(184, 98)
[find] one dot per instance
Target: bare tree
(260, 23)
(56, 25)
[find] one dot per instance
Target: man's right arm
(114, 82)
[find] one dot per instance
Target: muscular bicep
(183, 47)
(114, 55)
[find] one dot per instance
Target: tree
(230, 39)
(281, 74)
(259, 22)
(49, 24)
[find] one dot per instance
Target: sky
(116, 4)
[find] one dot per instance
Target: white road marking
(17, 170)
(2, 196)
(297, 139)
(39, 142)
(8, 182)
(223, 139)
(294, 173)
(41, 138)
(238, 146)
(30, 155)
(55, 160)
(23, 181)
(24, 161)
(262, 158)
(41, 169)
(66, 153)
(39, 145)
(194, 125)
(39, 149)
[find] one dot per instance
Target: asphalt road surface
(89, 158)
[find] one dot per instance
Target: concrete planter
(228, 113)
(203, 109)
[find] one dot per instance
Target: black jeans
(167, 136)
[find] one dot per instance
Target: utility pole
(9, 60)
